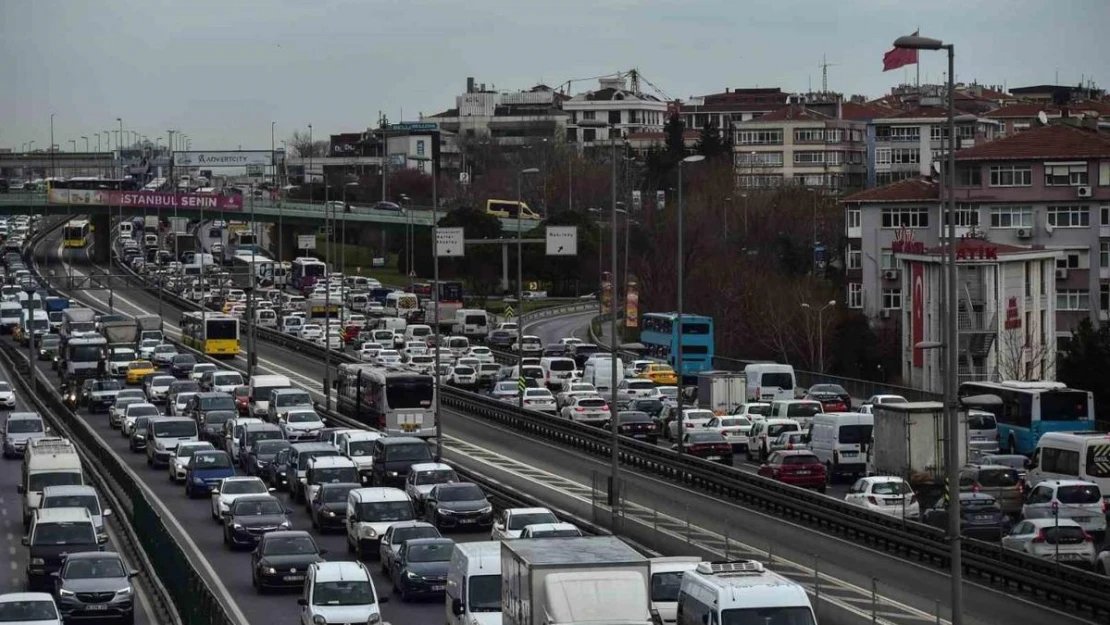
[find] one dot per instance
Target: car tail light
(688, 424)
(974, 488)
(789, 446)
(723, 448)
(1039, 538)
(874, 500)
(1104, 506)
(1087, 538)
(580, 409)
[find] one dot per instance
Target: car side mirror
(132, 573)
(106, 512)
(226, 514)
(100, 540)
(272, 490)
(304, 602)
(323, 552)
(457, 607)
(215, 491)
(26, 541)
(56, 574)
(288, 511)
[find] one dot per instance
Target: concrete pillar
(101, 237)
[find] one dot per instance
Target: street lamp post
(86, 142)
(677, 328)
(52, 173)
(820, 334)
(519, 285)
(952, 417)
(435, 302)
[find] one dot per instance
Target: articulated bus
(1026, 410)
(395, 401)
(306, 271)
(76, 233)
(212, 333)
(659, 334)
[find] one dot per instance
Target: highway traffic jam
(260, 459)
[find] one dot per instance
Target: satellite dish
(1041, 117)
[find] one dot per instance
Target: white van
(728, 592)
(399, 303)
(840, 440)
(417, 332)
(558, 371)
(266, 318)
(474, 583)
(192, 270)
(666, 582)
(47, 461)
(459, 345)
(370, 512)
(768, 381)
(10, 316)
(393, 324)
(1071, 456)
(126, 229)
(471, 323)
(260, 388)
(599, 372)
(801, 410)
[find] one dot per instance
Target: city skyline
(222, 73)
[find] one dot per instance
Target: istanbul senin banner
(146, 199)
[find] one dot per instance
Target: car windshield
(211, 461)
(64, 534)
(998, 478)
(439, 476)
(854, 434)
(32, 611)
(521, 521)
(431, 552)
(175, 429)
(88, 502)
(827, 389)
(162, 380)
(94, 568)
(218, 418)
(733, 422)
(101, 385)
(980, 505)
(460, 492)
(221, 402)
(258, 508)
(38, 481)
(226, 378)
(413, 452)
(293, 399)
(359, 449)
(24, 426)
(664, 586)
(408, 533)
(768, 616)
(303, 417)
(187, 451)
(336, 494)
(342, 593)
(379, 511)
(305, 456)
(890, 488)
(270, 447)
(633, 417)
(240, 487)
(1079, 494)
(704, 438)
(288, 546)
(803, 409)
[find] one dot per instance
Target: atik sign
(1013, 314)
(235, 158)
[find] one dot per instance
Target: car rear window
(1079, 494)
(981, 422)
(998, 478)
(1067, 535)
(800, 459)
(591, 403)
(561, 365)
(775, 429)
(803, 409)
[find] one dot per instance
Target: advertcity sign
(234, 158)
(146, 199)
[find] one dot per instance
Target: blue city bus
(660, 340)
(1026, 410)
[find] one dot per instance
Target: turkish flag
(899, 57)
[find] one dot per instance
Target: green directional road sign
(521, 384)
(509, 312)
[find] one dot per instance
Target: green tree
(710, 144)
(1085, 361)
(854, 347)
(675, 132)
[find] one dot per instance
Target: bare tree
(1020, 358)
(305, 147)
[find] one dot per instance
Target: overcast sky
(222, 71)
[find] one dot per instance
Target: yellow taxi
(660, 374)
(137, 369)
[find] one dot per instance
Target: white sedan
(540, 399)
(887, 495)
(200, 368)
(389, 357)
(230, 489)
(163, 355)
(482, 353)
(311, 331)
(692, 418)
(179, 459)
(734, 429)
(7, 396)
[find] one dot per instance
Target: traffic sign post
(449, 242)
(306, 242)
(562, 240)
(509, 312)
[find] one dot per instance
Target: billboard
(233, 158)
(632, 304)
(146, 199)
(606, 293)
(917, 276)
(348, 144)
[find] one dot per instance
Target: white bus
(395, 401)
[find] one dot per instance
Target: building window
(855, 295)
(1068, 261)
(892, 299)
(905, 133)
(765, 181)
(759, 137)
(834, 135)
(883, 178)
(807, 158)
(882, 133)
(905, 156)
(572, 135)
(1104, 256)
(1012, 217)
(809, 135)
(588, 114)
(965, 131)
(882, 156)
(967, 215)
(886, 260)
(1069, 216)
(1104, 215)
(1073, 299)
(759, 159)
(1065, 174)
(1103, 296)
(420, 166)
(1020, 126)
(968, 176)
(938, 132)
(589, 134)
(855, 257)
(1011, 176)
(855, 217)
(614, 117)
(907, 217)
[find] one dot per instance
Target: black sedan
(262, 455)
(329, 505)
(980, 516)
(182, 365)
(252, 516)
(212, 427)
(421, 568)
(282, 558)
(709, 445)
(458, 504)
(637, 425)
(831, 397)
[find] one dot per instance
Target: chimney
(470, 84)
(839, 108)
(726, 89)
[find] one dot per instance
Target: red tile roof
(922, 112)
(862, 112)
(918, 189)
(1052, 141)
(987, 93)
(793, 112)
(1022, 110)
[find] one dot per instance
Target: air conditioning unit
(1061, 274)
(885, 313)
(1084, 191)
(890, 274)
(1024, 233)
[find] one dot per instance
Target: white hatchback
(891, 496)
(1071, 499)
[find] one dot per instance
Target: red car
(797, 467)
(242, 395)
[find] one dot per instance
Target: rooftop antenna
(825, 65)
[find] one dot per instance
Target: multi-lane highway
(903, 582)
(12, 570)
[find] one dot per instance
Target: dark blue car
(421, 567)
(206, 469)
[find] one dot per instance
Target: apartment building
(731, 107)
(504, 118)
(799, 145)
(1043, 190)
(1022, 116)
(626, 111)
(905, 144)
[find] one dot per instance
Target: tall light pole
(52, 173)
(677, 328)
(119, 143)
(820, 334)
(435, 300)
(519, 284)
(74, 143)
(952, 415)
(311, 152)
(86, 142)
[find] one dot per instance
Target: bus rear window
(1064, 406)
(695, 328)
